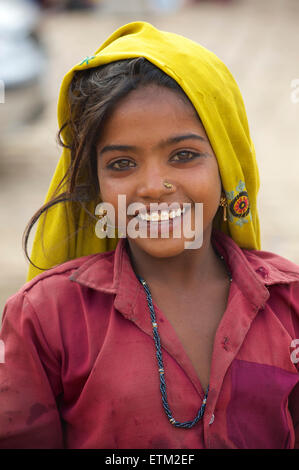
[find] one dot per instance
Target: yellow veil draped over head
(216, 97)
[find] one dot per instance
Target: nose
(151, 184)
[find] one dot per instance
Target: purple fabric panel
(256, 415)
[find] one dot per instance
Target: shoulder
(281, 277)
(271, 267)
(54, 311)
(65, 271)
(266, 277)
(56, 286)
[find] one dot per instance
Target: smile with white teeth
(163, 215)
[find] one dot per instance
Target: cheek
(116, 194)
(109, 188)
(205, 184)
(207, 190)
(108, 193)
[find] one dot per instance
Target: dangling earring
(102, 223)
(223, 203)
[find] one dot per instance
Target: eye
(122, 164)
(185, 155)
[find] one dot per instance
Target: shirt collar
(111, 273)
(252, 270)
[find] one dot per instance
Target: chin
(159, 247)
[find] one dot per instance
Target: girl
(148, 342)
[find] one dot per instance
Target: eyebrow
(164, 143)
(180, 138)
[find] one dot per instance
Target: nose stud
(167, 185)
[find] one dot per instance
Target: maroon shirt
(79, 368)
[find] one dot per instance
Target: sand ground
(257, 39)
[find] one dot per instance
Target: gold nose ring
(167, 185)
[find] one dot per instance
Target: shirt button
(212, 419)
(261, 270)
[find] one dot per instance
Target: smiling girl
(139, 342)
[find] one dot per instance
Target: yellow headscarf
(217, 99)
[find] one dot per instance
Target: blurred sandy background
(257, 39)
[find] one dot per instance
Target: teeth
(164, 215)
(154, 216)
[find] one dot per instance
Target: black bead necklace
(172, 420)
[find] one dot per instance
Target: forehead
(155, 94)
(151, 109)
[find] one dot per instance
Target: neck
(183, 271)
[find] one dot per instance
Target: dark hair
(92, 95)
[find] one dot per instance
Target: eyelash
(193, 156)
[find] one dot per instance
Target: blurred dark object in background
(22, 63)
(66, 4)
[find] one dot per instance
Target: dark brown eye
(185, 155)
(122, 164)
